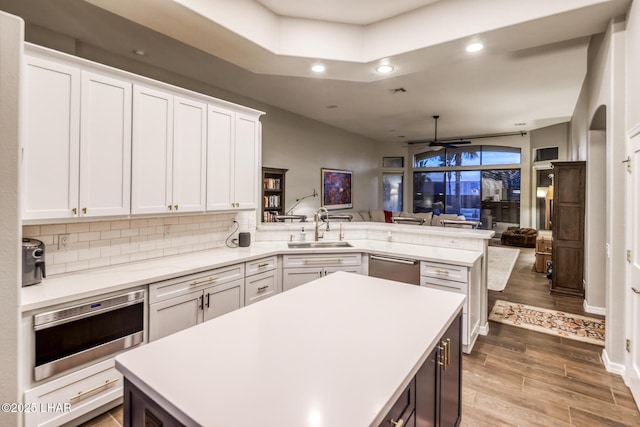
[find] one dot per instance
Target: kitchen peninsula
(337, 351)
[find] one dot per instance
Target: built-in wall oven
(75, 335)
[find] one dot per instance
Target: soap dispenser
(303, 235)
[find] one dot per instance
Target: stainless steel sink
(319, 245)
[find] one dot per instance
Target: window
(392, 191)
(477, 155)
(464, 181)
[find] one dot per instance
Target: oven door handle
(89, 314)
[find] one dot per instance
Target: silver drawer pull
(265, 264)
(636, 290)
(440, 271)
(201, 282)
(323, 261)
(81, 394)
(263, 288)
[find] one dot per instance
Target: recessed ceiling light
(139, 52)
(474, 47)
(384, 68)
(318, 68)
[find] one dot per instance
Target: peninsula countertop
(87, 284)
(336, 351)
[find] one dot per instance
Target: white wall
(604, 86)
(11, 46)
(304, 146)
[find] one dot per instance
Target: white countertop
(76, 286)
(335, 352)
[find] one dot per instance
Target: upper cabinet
(77, 148)
(104, 142)
(233, 151)
(169, 153)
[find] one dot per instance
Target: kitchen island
(338, 351)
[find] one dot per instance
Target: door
(246, 181)
(189, 155)
(105, 146)
(174, 315)
(632, 372)
(152, 148)
(52, 140)
(293, 277)
(221, 131)
(222, 299)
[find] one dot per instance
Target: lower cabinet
(262, 280)
(300, 269)
(74, 395)
(463, 280)
(438, 382)
(180, 303)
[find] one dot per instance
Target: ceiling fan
(435, 142)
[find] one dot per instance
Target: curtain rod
(461, 138)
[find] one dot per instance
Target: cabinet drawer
(81, 391)
(322, 260)
(170, 288)
(446, 285)
(443, 271)
(260, 286)
(261, 265)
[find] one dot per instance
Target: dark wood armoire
(567, 225)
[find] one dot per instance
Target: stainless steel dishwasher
(392, 268)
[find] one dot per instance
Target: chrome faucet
(317, 218)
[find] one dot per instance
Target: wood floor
(516, 377)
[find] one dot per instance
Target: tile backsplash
(104, 243)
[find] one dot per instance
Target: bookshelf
(273, 186)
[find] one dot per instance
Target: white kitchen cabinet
(105, 146)
(262, 279)
(78, 143)
(73, 395)
(233, 149)
(300, 269)
(169, 153)
(183, 302)
(51, 153)
(463, 280)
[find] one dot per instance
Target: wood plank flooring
(516, 377)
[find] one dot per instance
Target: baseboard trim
(484, 329)
(593, 310)
(614, 368)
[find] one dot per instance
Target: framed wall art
(336, 189)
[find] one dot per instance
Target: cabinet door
(52, 140)
(450, 406)
(222, 299)
(427, 391)
(245, 160)
(261, 286)
(293, 277)
(349, 269)
(174, 315)
(105, 146)
(152, 151)
(189, 155)
(220, 134)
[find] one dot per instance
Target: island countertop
(336, 351)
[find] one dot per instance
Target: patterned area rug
(572, 326)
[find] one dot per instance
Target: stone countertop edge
(262, 359)
(69, 287)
